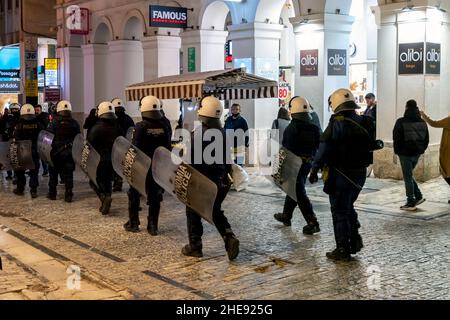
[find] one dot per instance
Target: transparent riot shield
(130, 133)
(86, 157)
(131, 164)
(184, 183)
(44, 144)
(286, 167)
(17, 155)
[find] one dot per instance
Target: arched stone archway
(214, 16)
(134, 25)
(103, 33)
(269, 11)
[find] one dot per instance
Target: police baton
(350, 180)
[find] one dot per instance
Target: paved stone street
(406, 256)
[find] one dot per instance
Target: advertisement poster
(433, 65)
(410, 58)
(168, 17)
(51, 72)
(309, 63)
(337, 62)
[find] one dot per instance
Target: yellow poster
(31, 88)
(51, 64)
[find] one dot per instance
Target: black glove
(313, 177)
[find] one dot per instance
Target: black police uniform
(125, 122)
(44, 118)
(28, 129)
(302, 137)
(9, 124)
(65, 129)
(102, 137)
(345, 149)
(150, 134)
(217, 173)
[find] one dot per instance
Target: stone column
(125, 62)
(209, 49)
(321, 32)
(421, 25)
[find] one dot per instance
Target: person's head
(106, 111)
(411, 105)
(27, 112)
(299, 106)
(15, 108)
(370, 100)
(210, 111)
(235, 109)
(283, 113)
(64, 108)
(93, 112)
(342, 100)
(118, 104)
(5, 112)
(150, 107)
(38, 109)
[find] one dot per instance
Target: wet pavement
(406, 256)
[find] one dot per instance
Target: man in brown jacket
(445, 144)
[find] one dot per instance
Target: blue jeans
(412, 189)
(342, 200)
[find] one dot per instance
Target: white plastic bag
(240, 178)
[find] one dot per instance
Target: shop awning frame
(233, 84)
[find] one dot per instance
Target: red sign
(79, 21)
(52, 94)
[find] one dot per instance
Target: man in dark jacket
(102, 137)
(234, 123)
(65, 129)
(150, 134)
(345, 152)
(210, 113)
(371, 110)
(411, 139)
(28, 128)
(125, 122)
(302, 137)
(90, 121)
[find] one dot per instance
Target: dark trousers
(64, 168)
(44, 167)
(34, 177)
(118, 182)
(412, 189)
(303, 201)
(105, 177)
(342, 200)
(154, 196)
(194, 221)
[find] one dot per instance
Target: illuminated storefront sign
(410, 58)
(168, 17)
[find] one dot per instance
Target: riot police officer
(9, 125)
(28, 128)
(302, 137)
(102, 137)
(210, 112)
(150, 134)
(344, 155)
(125, 122)
(65, 129)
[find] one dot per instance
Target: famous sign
(168, 17)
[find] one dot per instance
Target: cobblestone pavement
(406, 256)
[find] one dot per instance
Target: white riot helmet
(150, 107)
(105, 110)
(63, 106)
(118, 103)
(342, 100)
(210, 111)
(14, 106)
(27, 112)
(299, 105)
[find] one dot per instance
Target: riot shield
(131, 164)
(184, 183)
(44, 143)
(286, 167)
(17, 155)
(130, 133)
(86, 157)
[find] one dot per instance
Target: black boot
(311, 228)
(281, 217)
(68, 196)
(132, 226)
(152, 226)
(106, 204)
(33, 193)
(18, 192)
(339, 254)
(192, 251)
(231, 245)
(356, 244)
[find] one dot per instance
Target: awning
(233, 84)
